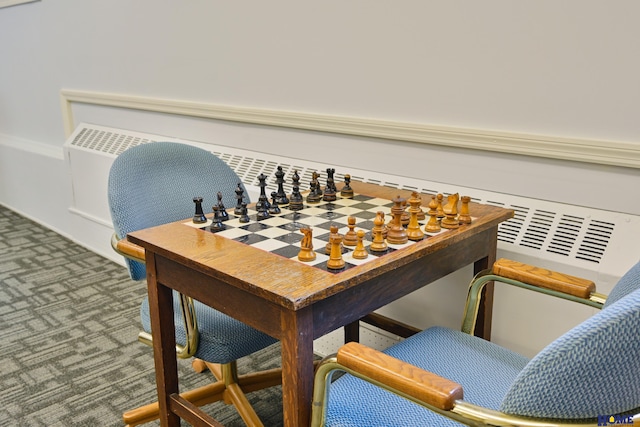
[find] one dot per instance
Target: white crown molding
(615, 153)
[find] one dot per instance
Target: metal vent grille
(105, 141)
(536, 225)
(567, 233)
(596, 240)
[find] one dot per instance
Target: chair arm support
(572, 285)
(127, 249)
(187, 308)
(411, 380)
(535, 279)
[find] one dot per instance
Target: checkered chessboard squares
(280, 234)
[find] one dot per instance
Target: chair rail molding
(29, 146)
(614, 153)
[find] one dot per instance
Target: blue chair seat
(477, 364)
(219, 333)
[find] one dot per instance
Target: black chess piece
(239, 199)
(274, 209)
(217, 224)
(347, 191)
(315, 192)
(296, 201)
(330, 189)
(222, 211)
(263, 212)
(263, 203)
(198, 217)
(281, 196)
(244, 216)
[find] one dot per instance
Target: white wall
(560, 69)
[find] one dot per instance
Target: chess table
(291, 301)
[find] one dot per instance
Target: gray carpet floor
(69, 354)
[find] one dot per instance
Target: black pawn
(217, 224)
(296, 201)
(274, 209)
(198, 217)
(347, 191)
(244, 216)
(263, 212)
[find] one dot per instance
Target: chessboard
(281, 233)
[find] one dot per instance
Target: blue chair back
(591, 370)
(155, 183)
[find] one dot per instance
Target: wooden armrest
(404, 377)
(128, 249)
(548, 279)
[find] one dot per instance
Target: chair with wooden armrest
(442, 377)
(153, 184)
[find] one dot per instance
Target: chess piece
(433, 226)
(244, 216)
(239, 199)
(281, 196)
(464, 216)
(360, 252)
(439, 210)
(385, 228)
(274, 209)
(217, 224)
(378, 244)
(397, 234)
(198, 217)
(413, 229)
(330, 189)
(347, 191)
(222, 211)
(306, 253)
(262, 213)
(450, 220)
(296, 201)
(350, 237)
(404, 219)
(336, 262)
(333, 231)
(421, 214)
(263, 203)
(315, 193)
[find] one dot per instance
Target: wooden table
(291, 301)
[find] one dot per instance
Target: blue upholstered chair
(153, 184)
(442, 377)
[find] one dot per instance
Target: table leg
(164, 343)
(297, 367)
(485, 313)
(352, 332)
